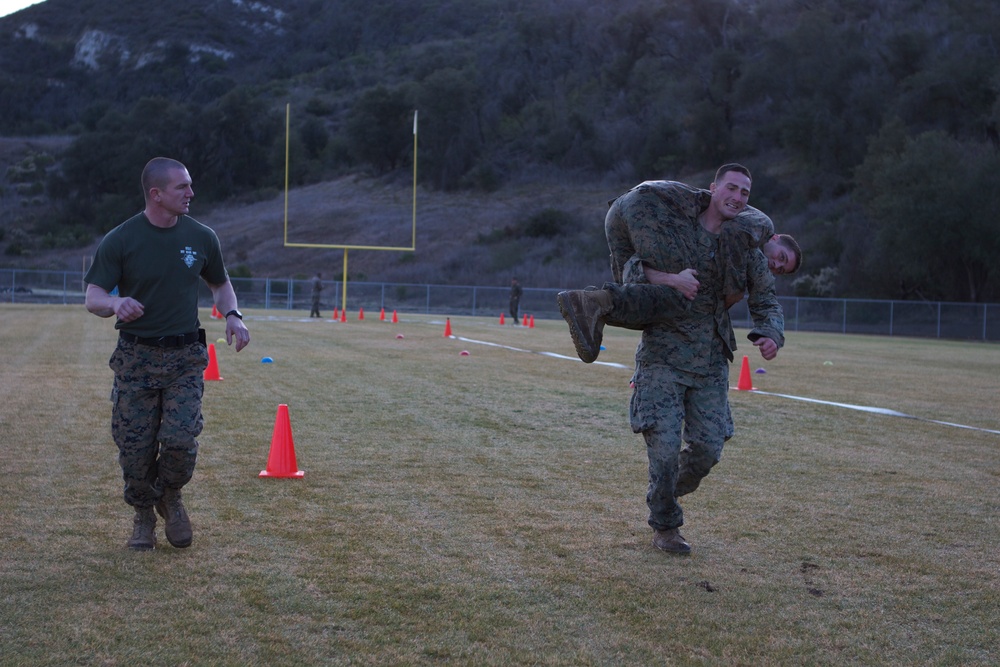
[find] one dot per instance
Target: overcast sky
(11, 6)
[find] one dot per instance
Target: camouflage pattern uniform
(156, 416)
(681, 380)
(157, 391)
(636, 305)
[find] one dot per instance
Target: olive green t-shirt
(160, 268)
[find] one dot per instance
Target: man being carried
(634, 305)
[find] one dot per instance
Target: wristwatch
(235, 312)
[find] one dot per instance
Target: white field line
(555, 355)
(862, 408)
(880, 411)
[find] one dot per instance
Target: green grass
(489, 509)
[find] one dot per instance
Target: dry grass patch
(489, 509)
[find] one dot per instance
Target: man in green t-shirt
(156, 260)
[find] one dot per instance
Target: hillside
(863, 123)
(462, 238)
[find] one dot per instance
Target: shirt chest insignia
(189, 256)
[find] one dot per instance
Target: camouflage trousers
(685, 421)
(156, 416)
(638, 305)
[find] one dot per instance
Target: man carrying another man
(680, 400)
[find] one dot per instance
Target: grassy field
(489, 509)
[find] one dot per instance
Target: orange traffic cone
(336, 313)
(745, 384)
(381, 315)
(394, 318)
(361, 313)
(447, 328)
(524, 321)
(212, 370)
(281, 460)
(532, 325)
(501, 319)
(343, 314)
(215, 313)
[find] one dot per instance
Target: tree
(933, 201)
(449, 100)
(379, 128)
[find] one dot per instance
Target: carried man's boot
(584, 312)
(178, 528)
(143, 530)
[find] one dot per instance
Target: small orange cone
(281, 460)
(501, 319)
(381, 315)
(336, 313)
(447, 328)
(215, 313)
(524, 321)
(361, 313)
(212, 370)
(532, 325)
(343, 315)
(394, 318)
(745, 384)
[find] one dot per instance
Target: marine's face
(780, 260)
(176, 194)
(730, 194)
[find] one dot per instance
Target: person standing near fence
(515, 298)
(317, 288)
(157, 259)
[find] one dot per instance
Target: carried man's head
(784, 256)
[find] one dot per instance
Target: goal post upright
(413, 240)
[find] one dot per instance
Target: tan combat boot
(143, 530)
(178, 528)
(671, 541)
(584, 312)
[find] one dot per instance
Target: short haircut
(732, 166)
(154, 175)
(792, 245)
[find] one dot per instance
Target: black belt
(179, 340)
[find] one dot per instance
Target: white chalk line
(861, 408)
(554, 355)
(880, 411)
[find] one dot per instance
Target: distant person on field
(515, 298)
(317, 288)
(157, 259)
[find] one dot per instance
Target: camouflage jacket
(656, 223)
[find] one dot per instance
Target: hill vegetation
(871, 125)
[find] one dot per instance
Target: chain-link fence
(925, 319)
